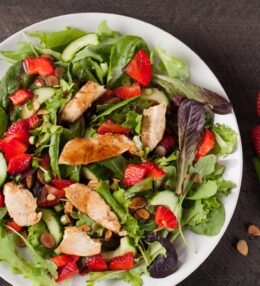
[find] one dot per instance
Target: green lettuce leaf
(205, 165)
(174, 67)
(133, 122)
(105, 31)
(204, 191)
(226, 139)
(58, 40)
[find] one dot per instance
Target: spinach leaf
(191, 119)
(214, 223)
(174, 86)
(174, 67)
(121, 54)
(78, 127)
(205, 165)
(58, 40)
(204, 191)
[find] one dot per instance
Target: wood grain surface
(226, 35)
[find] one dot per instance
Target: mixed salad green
(108, 153)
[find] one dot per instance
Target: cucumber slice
(165, 198)
(40, 96)
(3, 121)
(3, 169)
(154, 94)
(53, 223)
(125, 246)
(94, 172)
(70, 51)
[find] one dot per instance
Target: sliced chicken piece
(153, 125)
(77, 242)
(82, 101)
(92, 204)
(82, 151)
(21, 205)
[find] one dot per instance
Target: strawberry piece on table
(2, 199)
(111, 127)
(68, 271)
(39, 65)
(123, 262)
(20, 96)
(258, 104)
(62, 183)
(134, 174)
(96, 263)
(207, 144)
(19, 164)
(140, 68)
(165, 218)
(13, 148)
(256, 139)
(152, 170)
(62, 260)
(126, 92)
(14, 225)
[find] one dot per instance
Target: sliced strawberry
(32, 122)
(165, 218)
(68, 271)
(258, 104)
(62, 183)
(111, 127)
(44, 199)
(19, 130)
(256, 139)
(62, 260)
(207, 144)
(140, 68)
(152, 170)
(13, 225)
(19, 164)
(13, 148)
(20, 96)
(2, 199)
(39, 65)
(134, 174)
(126, 92)
(96, 263)
(123, 262)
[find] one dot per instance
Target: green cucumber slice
(165, 198)
(154, 94)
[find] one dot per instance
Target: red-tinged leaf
(140, 68)
(134, 174)
(152, 170)
(207, 144)
(124, 262)
(68, 271)
(126, 92)
(111, 127)
(96, 263)
(45, 162)
(39, 65)
(62, 260)
(165, 218)
(165, 144)
(20, 96)
(62, 183)
(50, 190)
(19, 164)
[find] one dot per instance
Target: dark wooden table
(226, 34)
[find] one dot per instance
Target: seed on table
(137, 203)
(253, 230)
(52, 80)
(47, 240)
(242, 247)
(142, 214)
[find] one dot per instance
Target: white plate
(200, 74)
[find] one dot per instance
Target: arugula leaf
(226, 139)
(191, 119)
(218, 172)
(117, 165)
(121, 54)
(205, 165)
(174, 67)
(57, 41)
(133, 122)
(204, 191)
(104, 30)
(26, 50)
(214, 223)
(174, 86)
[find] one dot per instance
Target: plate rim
(194, 54)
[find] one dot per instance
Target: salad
(107, 154)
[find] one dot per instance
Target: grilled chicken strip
(77, 242)
(21, 205)
(153, 125)
(92, 204)
(83, 100)
(82, 151)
